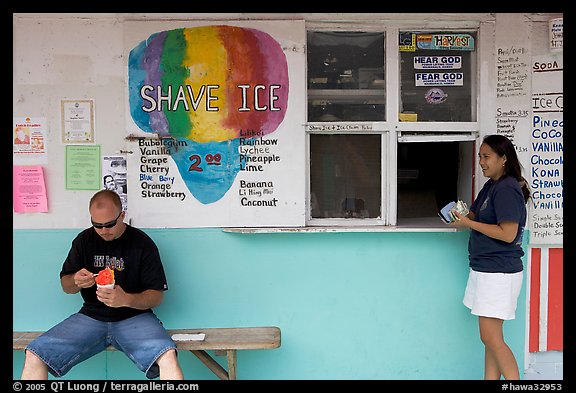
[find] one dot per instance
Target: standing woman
(496, 221)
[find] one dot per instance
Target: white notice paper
(189, 337)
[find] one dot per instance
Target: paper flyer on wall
(77, 121)
(29, 189)
(114, 177)
(29, 139)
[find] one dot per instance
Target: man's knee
(168, 357)
(169, 367)
(34, 367)
(32, 360)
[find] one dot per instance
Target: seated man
(121, 316)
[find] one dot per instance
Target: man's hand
(117, 297)
(84, 278)
(112, 297)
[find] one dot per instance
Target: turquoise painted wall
(350, 305)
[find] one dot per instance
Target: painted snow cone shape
(209, 90)
(105, 278)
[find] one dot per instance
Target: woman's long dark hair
(512, 167)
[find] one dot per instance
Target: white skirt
(493, 295)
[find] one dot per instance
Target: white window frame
(392, 130)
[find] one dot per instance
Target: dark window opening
(428, 174)
(346, 76)
(345, 176)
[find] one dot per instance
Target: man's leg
(158, 357)
(169, 367)
(34, 367)
(66, 344)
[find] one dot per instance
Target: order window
(429, 175)
(345, 176)
(346, 76)
(391, 124)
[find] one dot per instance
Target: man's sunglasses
(108, 224)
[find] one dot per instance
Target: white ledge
(323, 229)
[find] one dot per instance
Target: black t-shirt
(134, 258)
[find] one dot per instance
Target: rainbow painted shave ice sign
(208, 90)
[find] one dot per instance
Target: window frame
(393, 131)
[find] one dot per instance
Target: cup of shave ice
(105, 278)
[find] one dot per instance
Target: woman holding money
(496, 221)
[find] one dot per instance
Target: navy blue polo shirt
(498, 202)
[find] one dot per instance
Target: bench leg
(231, 356)
(212, 364)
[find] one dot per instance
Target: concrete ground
(545, 366)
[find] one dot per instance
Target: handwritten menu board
(547, 151)
(513, 83)
(513, 96)
(215, 132)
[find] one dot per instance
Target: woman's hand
(461, 221)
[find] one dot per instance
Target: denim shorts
(142, 338)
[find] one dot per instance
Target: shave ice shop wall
(529, 111)
(547, 149)
(215, 126)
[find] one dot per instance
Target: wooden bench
(221, 340)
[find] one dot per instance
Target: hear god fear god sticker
(212, 93)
